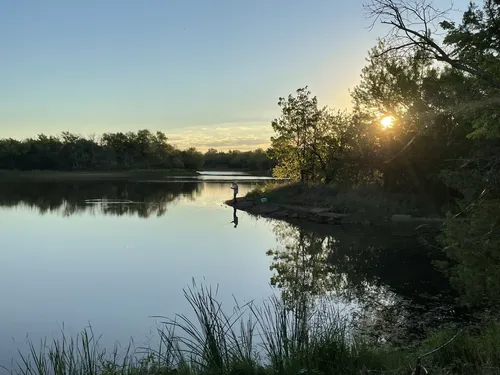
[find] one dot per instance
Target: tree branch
(396, 15)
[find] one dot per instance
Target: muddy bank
(322, 215)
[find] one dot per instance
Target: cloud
(248, 136)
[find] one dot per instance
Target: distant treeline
(256, 160)
(119, 151)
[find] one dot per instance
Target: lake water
(113, 254)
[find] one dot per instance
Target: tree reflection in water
(388, 274)
(104, 197)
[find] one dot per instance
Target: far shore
(252, 172)
(135, 174)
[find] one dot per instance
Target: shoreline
(323, 215)
(133, 174)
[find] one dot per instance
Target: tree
(392, 85)
(335, 145)
(295, 131)
(256, 160)
(193, 159)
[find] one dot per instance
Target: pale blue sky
(208, 73)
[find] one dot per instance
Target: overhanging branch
(406, 17)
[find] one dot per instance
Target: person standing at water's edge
(234, 186)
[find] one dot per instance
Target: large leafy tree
(296, 131)
(337, 146)
(314, 144)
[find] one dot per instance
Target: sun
(387, 122)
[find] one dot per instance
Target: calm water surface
(68, 258)
(113, 254)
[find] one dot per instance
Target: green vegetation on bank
(369, 201)
(274, 338)
(118, 152)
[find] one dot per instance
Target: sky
(207, 73)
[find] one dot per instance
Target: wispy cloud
(248, 136)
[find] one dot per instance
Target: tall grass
(271, 338)
(218, 342)
(80, 355)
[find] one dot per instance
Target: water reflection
(235, 218)
(107, 267)
(103, 197)
(388, 274)
(300, 263)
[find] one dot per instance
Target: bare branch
(391, 49)
(413, 24)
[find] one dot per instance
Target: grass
(370, 201)
(271, 339)
(40, 175)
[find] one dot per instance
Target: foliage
(472, 243)
(337, 147)
(256, 160)
(469, 348)
(471, 47)
(312, 144)
(296, 133)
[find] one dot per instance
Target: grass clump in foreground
(367, 200)
(271, 339)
